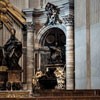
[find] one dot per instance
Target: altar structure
(48, 41)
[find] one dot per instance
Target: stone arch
(42, 32)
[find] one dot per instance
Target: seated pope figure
(13, 51)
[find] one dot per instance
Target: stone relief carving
(52, 14)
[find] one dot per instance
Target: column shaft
(70, 58)
(30, 65)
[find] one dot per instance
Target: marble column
(70, 60)
(30, 65)
(30, 47)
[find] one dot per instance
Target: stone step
(67, 92)
(57, 98)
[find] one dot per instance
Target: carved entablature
(52, 14)
(69, 20)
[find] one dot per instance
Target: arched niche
(52, 35)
